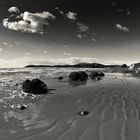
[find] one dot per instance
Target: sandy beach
(113, 105)
(69, 69)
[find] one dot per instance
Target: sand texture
(113, 105)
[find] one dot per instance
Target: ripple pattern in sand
(115, 114)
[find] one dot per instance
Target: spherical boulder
(75, 76)
(34, 86)
(78, 76)
(84, 75)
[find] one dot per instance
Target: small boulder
(18, 106)
(99, 78)
(84, 112)
(22, 107)
(60, 78)
(34, 86)
(95, 74)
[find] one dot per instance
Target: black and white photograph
(69, 70)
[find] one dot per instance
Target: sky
(53, 32)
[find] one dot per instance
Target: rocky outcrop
(135, 66)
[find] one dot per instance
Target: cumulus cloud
(82, 27)
(114, 3)
(29, 22)
(125, 11)
(82, 36)
(45, 52)
(60, 11)
(67, 54)
(66, 46)
(57, 61)
(122, 28)
(23, 61)
(17, 43)
(83, 31)
(73, 60)
(13, 10)
(93, 39)
(79, 36)
(128, 12)
(5, 43)
(27, 53)
(71, 15)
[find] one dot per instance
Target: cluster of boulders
(83, 76)
(96, 75)
(37, 86)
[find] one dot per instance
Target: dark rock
(84, 113)
(84, 75)
(124, 66)
(99, 78)
(60, 78)
(18, 106)
(81, 76)
(75, 76)
(23, 107)
(35, 86)
(95, 74)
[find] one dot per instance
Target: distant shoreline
(81, 65)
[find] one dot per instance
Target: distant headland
(82, 65)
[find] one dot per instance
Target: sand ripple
(115, 114)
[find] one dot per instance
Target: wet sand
(114, 105)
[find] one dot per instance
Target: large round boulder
(84, 75)
(75, 76)
(78, 76)
(34, 86)
(95, 74)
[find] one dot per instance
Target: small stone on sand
(84, 113)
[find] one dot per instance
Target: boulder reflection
(77, 83)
